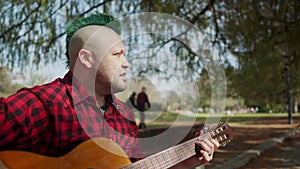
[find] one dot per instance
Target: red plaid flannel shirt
(54, 118)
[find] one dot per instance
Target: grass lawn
(166, 119)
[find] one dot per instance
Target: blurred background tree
(7, 85)
(259, 34)
(252, 36)
(11, 82)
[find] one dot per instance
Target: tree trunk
(295, 104)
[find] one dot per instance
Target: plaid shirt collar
(79, 94)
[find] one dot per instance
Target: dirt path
(283, 155)
(252, 134)
(247, 136)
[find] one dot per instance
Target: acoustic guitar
(91, 155)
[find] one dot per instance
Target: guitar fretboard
(168, 157)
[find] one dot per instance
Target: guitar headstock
(221, 132)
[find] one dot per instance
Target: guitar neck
(176, 154)
(168, 157)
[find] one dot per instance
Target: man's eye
(118, 54)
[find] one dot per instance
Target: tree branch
(93, 7)
(216, 24)
(53, 40)
(202, 12)
(21, 22)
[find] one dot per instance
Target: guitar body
(91, 155)
(88, 155)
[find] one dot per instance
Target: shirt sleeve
(137, 153)
(126, 125)
(137, 149)
(23, 119)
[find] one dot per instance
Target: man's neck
(100, 101)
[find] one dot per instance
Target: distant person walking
(131, 102)
(143, 105)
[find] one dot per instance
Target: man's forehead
(90, 30)
(96, 35)
(100, 38)
(118, 47)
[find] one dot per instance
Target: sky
(50, 72)
(55, 70)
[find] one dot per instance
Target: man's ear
(85, 57)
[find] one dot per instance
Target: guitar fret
(150, 164)
(167, 161)
(179, 152)
(169, 157)
(159, 163)
(155, 162)
(162, 162)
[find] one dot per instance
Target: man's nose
(125, 63)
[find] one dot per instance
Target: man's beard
(118, 86)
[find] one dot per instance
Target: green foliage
(259, 33)
(28, 28)
(191, 11)
(32, 31)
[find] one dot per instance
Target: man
(54, 118)
(143, 105)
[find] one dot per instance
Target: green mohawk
(96, 18)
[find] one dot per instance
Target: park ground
(250, 134)
(252, 130)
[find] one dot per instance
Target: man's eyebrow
(118, 50)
